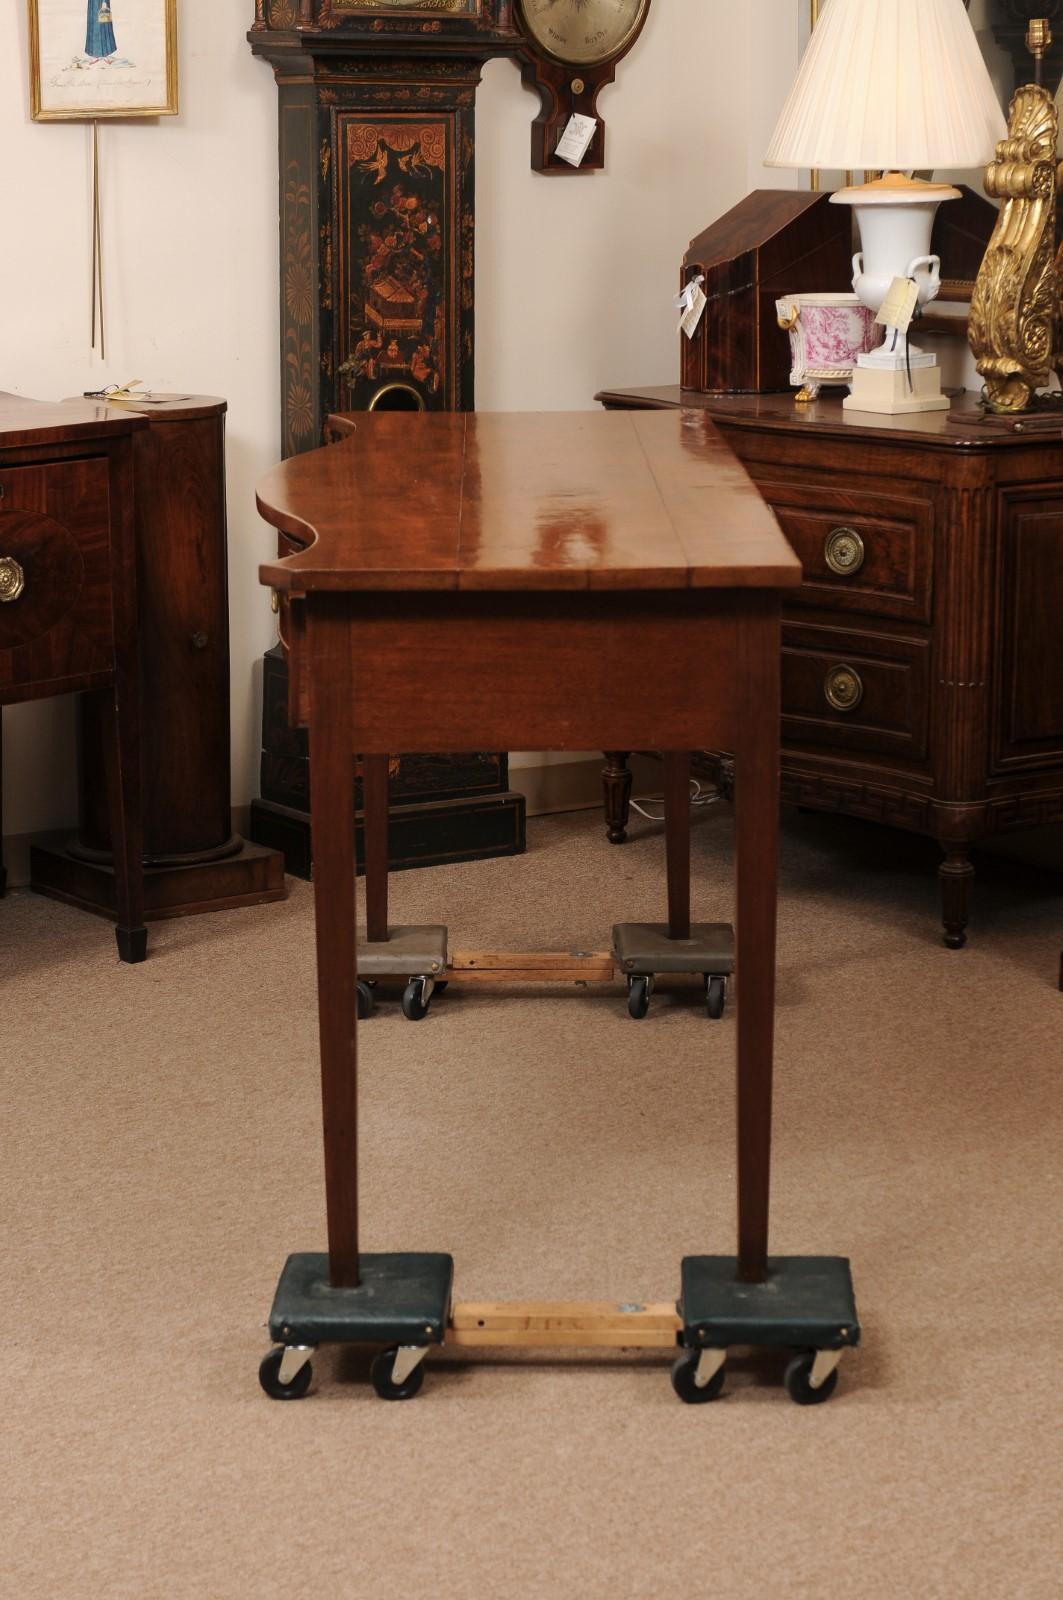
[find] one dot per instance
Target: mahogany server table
(540, 582)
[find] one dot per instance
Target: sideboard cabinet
(922, 674)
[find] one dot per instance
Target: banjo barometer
(573, 47)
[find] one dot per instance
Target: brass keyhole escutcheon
(844, 688)
(12, 579)
(578, 86)
(844, 552)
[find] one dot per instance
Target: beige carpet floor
(161, 1157)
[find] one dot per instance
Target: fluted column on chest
(966, 554)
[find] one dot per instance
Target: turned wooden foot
(616, 791)
(955, 875)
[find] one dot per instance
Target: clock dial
(582, 33)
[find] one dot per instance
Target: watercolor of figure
(99, 32)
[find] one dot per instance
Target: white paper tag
(575, 141)
(898, 308)
(691, 303)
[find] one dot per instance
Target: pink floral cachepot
(827, 333)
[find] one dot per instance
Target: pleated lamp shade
(890, 84)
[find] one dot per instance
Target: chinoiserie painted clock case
(377, 232)
(377, 149)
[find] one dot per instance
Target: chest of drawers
(922, 677)
(68, 611)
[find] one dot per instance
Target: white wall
(574, 276)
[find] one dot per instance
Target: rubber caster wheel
(269, 1376)
(380, 1373)
(798, 1387)
(414, 1004)
(638, 997)
(715, 997)
(365, 1001)
(684, 1372)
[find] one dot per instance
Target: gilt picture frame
(93, 59)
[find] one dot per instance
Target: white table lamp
(891, 86)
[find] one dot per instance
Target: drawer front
(55, 596)
(866, 553)
(856, 691)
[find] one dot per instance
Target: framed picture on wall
(102, 58)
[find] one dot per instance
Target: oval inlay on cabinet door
(52, 569)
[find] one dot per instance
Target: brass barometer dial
(582, 33)
(572, 49)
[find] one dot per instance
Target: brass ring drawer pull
(844, 688)
(12, 579)
(844, 551)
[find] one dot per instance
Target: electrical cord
(699, 796)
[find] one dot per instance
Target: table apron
(557, 672)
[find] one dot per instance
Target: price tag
(691, 304)
(898, 308)
(576, 139)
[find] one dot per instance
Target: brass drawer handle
(12, 579)
(844, 688)
(844, 551)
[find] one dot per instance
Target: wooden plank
(529, 966)
(537, 975)
(462, 959)
(579, 1325)
(481, 969)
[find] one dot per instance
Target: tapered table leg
(757, 825)
(677, 841)
(332, 814)
(375, 846)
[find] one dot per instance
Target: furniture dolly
(550, 582)
(420, 958)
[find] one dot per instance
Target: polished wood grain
(193, 860)
(951, 621)
(67, 518)
(543, 582)
(547, 501)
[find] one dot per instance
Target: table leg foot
(132, 943)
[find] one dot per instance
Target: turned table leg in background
(616, 790)
(956, 875)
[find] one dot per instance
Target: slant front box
(774, 242)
